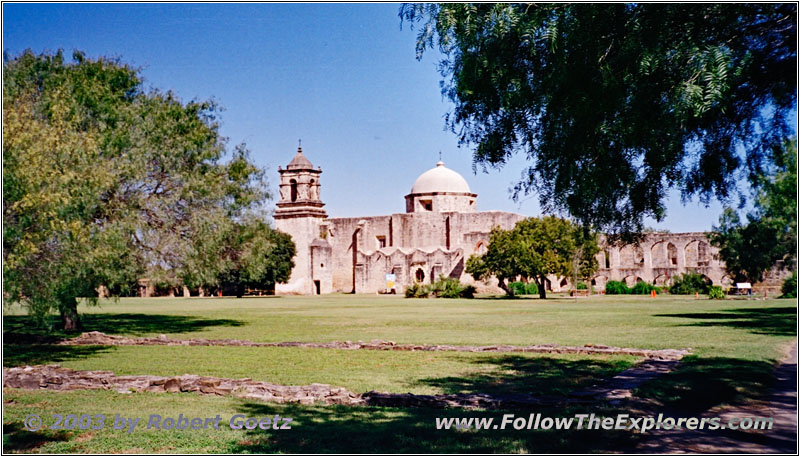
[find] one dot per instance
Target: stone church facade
(440, 229)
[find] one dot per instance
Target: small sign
(390, 280)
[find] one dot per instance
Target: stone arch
(697, 253)
(662, 280)
(481, 247)
(672, 255)
(419, 275)
(631, 256)
(658, 254)
(631, 280)
(600, 281)
(293, 186)
(563, 283)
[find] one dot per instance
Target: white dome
(440, 179)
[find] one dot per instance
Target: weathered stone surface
(57, 378)
(99, 338)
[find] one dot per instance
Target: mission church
(440, 229)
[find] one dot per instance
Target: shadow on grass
(22, 329)
(539, 376)
(780, 321)
(17, 439)
(16, 355)
(702, 383)
(355, 430)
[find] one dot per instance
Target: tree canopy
(255, 256)
(105, 183)
(614, 104)
(770, 233)
(534, 249)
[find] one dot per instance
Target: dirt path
(780, 404)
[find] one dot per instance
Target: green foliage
(716, 293)
(643, 288)
(689, 283)
(789, 287)
(418, 290)
(444, 287)
(770, 234)
(255, 256)
(581, 286)
(521, 288)
(105, 183)
(534, 248)
(613, 104)
(617, 288)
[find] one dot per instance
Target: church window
(293, 184)
(447, 233)
(381, 241)
(420, 275)
(427, 205)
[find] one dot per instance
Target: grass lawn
(315, 429)
(735, 344)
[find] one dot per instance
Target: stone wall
(658, 258)
(304, 230)
(364, 250)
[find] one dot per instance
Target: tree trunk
(501, 283)
(239, 290)
(69, 315)
(542, 289)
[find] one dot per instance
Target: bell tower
(300, 213)
(300, 189)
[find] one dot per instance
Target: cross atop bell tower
(300, 189)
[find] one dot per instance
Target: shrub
(447, 288)
(517, 288)
(468, 291)
(417, 290)
(689, 283)
(581, 286)
(443, 288)
(520, 288)
(617, 288)
(716, 293)
(789, 287)
(643, 288)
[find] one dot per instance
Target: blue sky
(344, 78)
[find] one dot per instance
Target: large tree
(105, 182)
(614, 104)
(534, 249)
(770, 233)
(255, 256)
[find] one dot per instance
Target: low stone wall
(55, 377)
(99, 338)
